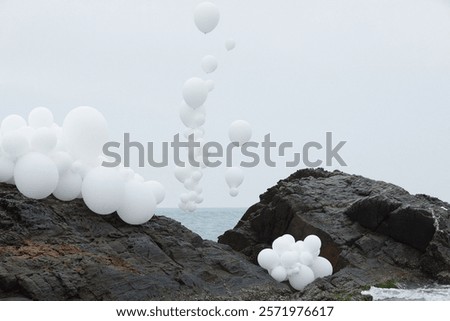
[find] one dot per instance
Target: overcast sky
(376, 73)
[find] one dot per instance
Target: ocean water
(209, 223)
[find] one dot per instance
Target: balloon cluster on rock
(193, 116)
(41, 158)
(297, 262)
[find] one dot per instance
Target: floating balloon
(40, 117)
(192, 118)
(206, 16)
(209, 64)
(69, 186)
(268, 259)
(234, 176)
(85, 131)
(11, 123)
(234, 192)
(138, 205)
(6, 169)
(230, 44)
(210, 85)
(103, 190)
(183, 173)
(158, 190)
(195, 92)
(240, 132)
(36, 175)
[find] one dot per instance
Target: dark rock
(51, 250)
(372, 232)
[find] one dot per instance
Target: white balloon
(192, 118)
(298, 247)
(209, 64)
(158, 190)
(190, 184)
(306, 258)
(321, 267)
(36, 175)
(210, 85)
(182, 206)
(103, 190)
(301, 279)
(199, 199)
(138, 205)
(234, 177)
(289, 258)
(230, 44)
(69, 186)
(40, 117)
(197, 175)
(11, 123)
(191, 207)
(268, 259)
(234, 192)
(279, 274)
(15, 144)
(195, 92)
(283, 243)
(206, 16)
(312, 243)
(85, 131)
(240, 132)
(184, 197)
(43, 140)
(63, 161)
(6, 169)
(183, 173)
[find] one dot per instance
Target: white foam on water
(428, 293)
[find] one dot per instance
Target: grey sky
(374, 72)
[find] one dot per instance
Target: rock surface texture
(374, 233)
(50, 250)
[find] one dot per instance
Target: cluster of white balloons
(297, 262)
(42, 158)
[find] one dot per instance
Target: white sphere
(234, 191)
(279, 274)
(210, 85)
(289, 258)
(301, 279)
(192, 118)
(234, 176)
(11, 123)
(158, 190)
(206, 16)
(190, 184)
(321, 267)
(6, 169)
(36, 175)
(240, 132)
(306, 258)
(283, 243)
(195, 92)
(40, 117)
(199, 199)
(138, 205)
(191, 206)
(182, 206)
(230, 44)
(197, 175)
(268, 259)
(298, 247)
(69, 186)
(312, 243)
(43, 140)
(209, 64)
(85, 131)
(15, 144)
(63, 161)
(103, 190)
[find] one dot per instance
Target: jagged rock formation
(50, 250)
(374, 233)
